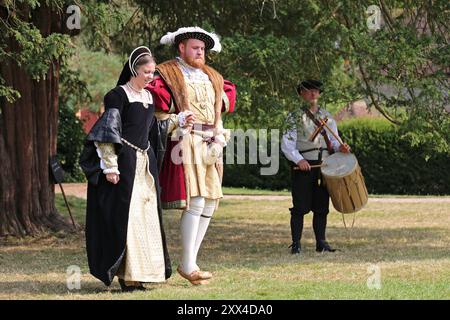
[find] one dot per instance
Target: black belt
(312, 149)
(315, 149)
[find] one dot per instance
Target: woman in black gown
(124, 229)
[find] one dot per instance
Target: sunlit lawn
(246, 248)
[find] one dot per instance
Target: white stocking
(205, 218)
(188, 230)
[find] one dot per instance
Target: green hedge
(389, 163)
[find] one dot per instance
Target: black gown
(108, 204)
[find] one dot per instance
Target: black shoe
(141, 288)
(323, 246)
(295, 248)
(126, 288)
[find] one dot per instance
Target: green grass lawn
(246, 248)
(264, 192)
(254, 192)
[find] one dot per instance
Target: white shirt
(289, 145)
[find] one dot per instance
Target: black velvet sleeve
(158, 139)
(107, 129)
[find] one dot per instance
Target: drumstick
(332, 132)
(312, 166)
(317, 131)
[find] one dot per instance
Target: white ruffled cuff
(111, 170)
(181, 119)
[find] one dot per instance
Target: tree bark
(28, 132)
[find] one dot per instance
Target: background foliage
(268, 47)
(390, 164)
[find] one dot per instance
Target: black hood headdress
(129, 68)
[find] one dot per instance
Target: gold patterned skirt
(144, 255)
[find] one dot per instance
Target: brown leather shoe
(194, 277)
(204, 274)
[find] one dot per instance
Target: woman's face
(145, 74)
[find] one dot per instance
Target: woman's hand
(112, 177)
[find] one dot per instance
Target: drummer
(306, 145)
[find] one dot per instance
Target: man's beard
(195, 62)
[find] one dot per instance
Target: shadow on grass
(260, 243)
(252, 244)
(235, 240)
(55, 288)
(88, 287)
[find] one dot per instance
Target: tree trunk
(28, 131)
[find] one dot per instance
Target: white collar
(190, 73)
(145, 97)
(187, 65)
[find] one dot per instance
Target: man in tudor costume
(187, 91)
(305, 146)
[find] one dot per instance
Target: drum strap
(353, 222)
(310, 115)
(319, 176)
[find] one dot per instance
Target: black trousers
(308, 195)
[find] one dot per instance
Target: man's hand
(344, 148)
(190, 119)
(304, 165)
(112, 177)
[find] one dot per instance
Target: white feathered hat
(211, 40)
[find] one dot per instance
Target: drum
(345, 182)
